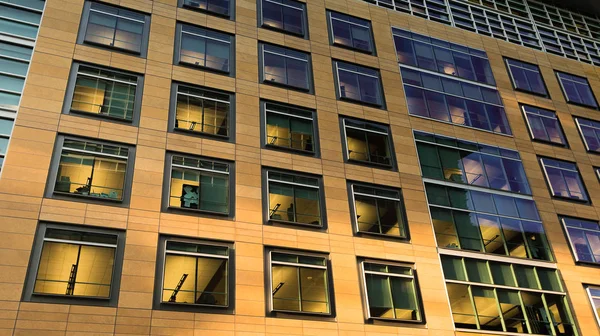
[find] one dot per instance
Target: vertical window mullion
(378, 214)
(499, 308)
(525, 314)
(299, 287)
(196, 280)
(548, 315)
(295, 212)
(473, 306)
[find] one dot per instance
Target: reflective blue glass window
(526, 77)
(284, 15)
(219, 7)
(590, 132)
(584, 237)
(351, 32)
(115, 27)
(564, 179)
(577, 90)
(543, 125)
(205, 48)
(285, 67)
(359, 83)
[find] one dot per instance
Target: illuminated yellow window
(379, 211)
(294, 198)
(202, 111)
(289, 127)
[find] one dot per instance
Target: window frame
(230, 16)
(331, 34)
(530, 130)
(157, 302)
(561, 219)
(261, 68)
(365, 292)
(261, 24)
(514, 84)
(55, 163)
(137, 103)
(83, 26)
(338, 88)
(166, 190)
(173, 112)
(35, 260)
(591, 298)
(322, 226)
(580, 131)
(401, 208)
(179, 31)
(393, 164)
(585, 192)
(271, 312)
(314, 120)
(567, 100)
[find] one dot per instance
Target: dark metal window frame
(84, 25)
(55, 162)
(157, 302)
(268, 280)
(402, 216)
(173, 113)
(266, 201)
(392, 166)
(231, 16)
(263, 129)
(71, 90)
(381, 105)
(373, 50)
(195, 212)
(261, 69)
(177, 52)
(34, 263)
(261, 24)
(514, 84)
(530, 131)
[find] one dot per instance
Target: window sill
(286, 86)
(205, 68)
(362, 51)
(541, 95)
(88, 197)
(291, 150)
(371, 164)
(477, 331)
(360, 102)
(374, 320)
(112, 48)
(365, 234)
(283, 31)
(596, 108)
(202, 134)
(276, 222)
(573, 200)
(199, 211)
(290, 313)
(550, 143)
(72, 300)
(194, 308)
(100, 116)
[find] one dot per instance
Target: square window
(222, 8)
(114, 28)
(294, 199)
(21, 19)
(199, 184)
(204, 48)
(526, 77)
(75, 265)
(391, 291)
(351, 32)
(358, 84)
(577, 90)
(286, 16)
(544, 125)
(564, 179)
(590, 133)
(105, 93)
(92, 170)
(299, 283)
(367, 142)
(285, 67)
(194, 275)
(290, 128)
(201, 111)
(378, 211)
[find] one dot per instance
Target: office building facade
(284, 167)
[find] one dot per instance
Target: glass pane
(462, 308)
(214, 193)
(179, 279)
(487, 309)
(286, 288)
(453, 268)
(445, 231)
(293, 20)
(477, 271)
(513, 235)
(493, 241)
(274, 68)
(468, 230)
(405, 299)
(526, 276)
(502, 274)
(272, 14)
(536, 313)
(211, 282)
(380, 298)
(512, 311)
(307, 206)
(559, 314)
(313, 286)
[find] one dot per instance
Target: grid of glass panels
(486, 222)
(218, 7)
(507, 297)
(584, 237)
(472, 163)
(543, 125)
(19, 23)
(559, 18)
(435, 10)
(564, 179)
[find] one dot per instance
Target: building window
(114, 28)
(351, 32)
(391, 291)
(454, 101)
(526, 77)
(199, 184)
(358, 84)
(6, 126)
(204, 48)
(21, 19)
(287, 16)
(584, 237)
(201, 111)
(295, 198)
(286, 67)
(299, 283)
(594, 294)
(507, 297)
(14, 63)
(194, 274)
(378, 211)
(447, 58)
(216, 7)
(564, 179)
(472, 163)
(543, 125)
(590, 133)
(290, 128)
(102, 92)
(75, 265)
(577, 90)
(367, 142)
(485, 222)
(92, 170)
